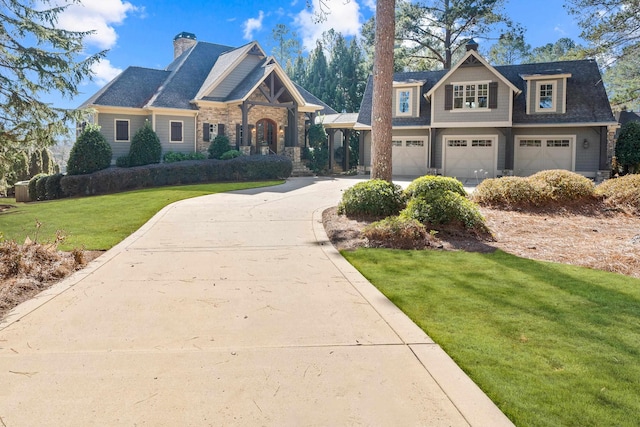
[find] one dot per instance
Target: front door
(267, 135)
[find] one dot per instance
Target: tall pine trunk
(381, 114)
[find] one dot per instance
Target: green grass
(100, 222)
(550, 344)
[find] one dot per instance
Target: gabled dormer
(546, 92)
(406, 98)
(472, 94)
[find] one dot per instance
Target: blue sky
(140, 32)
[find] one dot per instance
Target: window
(545, 96)
(396, 143)
(530, 143)
(558, 143)
(416, 143)
(481, 143)
(403, 105)
(176, 134)
(471, 96)
(122, 130)
(457, 143)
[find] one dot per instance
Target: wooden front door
(267, 135)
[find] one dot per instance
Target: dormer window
(403, 104)
(546, 92)
(471, 96)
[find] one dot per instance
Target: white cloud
(371, 4)
(251, 25)
(344, 17)
(104, 72)
(99, 16)
(558, 29)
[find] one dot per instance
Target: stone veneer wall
(231, 115)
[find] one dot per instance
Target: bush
(318, 152)
(448, 207)
(376, 197)
(33, 194)
(41, 191)
(112, 180)
(172, 156)
(428, 187)
(563, 186)
(123, 162)
(53, 190)
(145, 147)
(508, 192)
(90, 153)
(231, 154)
(628, 147)
(396, 232)
(623, 192)
(219, 146)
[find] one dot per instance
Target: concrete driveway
(229, 309)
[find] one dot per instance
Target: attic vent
(471, 61)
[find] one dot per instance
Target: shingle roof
(134, 87)
(587, 100)
(627, 116)
(312, 99)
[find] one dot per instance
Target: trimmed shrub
(429, 186)
(623, 192)
(90, 153)
(219, 146)
(172, 156)
(123, 162)
(396, 232)
(563, 186)
(231, 154)
(628, 147)
(376, 198)
(41, 191)
(52, 187)
(112, 180)
(145, 147)
(449, 207)
(33, 194)
(508, 192)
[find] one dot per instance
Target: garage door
(466, 157)
(534, 154)
(409, 156)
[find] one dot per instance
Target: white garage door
(466, 157)
(534, 154)
(409, 156)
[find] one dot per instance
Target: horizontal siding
(472, 74)
(107, 129)
(163, 124)
(236, 77)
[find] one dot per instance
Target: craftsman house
(208, 90)
(478, 121)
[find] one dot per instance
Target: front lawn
(550, 344)
(100, 222)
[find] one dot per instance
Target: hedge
(113, 180)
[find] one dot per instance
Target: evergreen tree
(562, 50)
(286, 47)
(628, 147)
(318, 74)
(510, 49)
(37, 57)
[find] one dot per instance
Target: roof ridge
(158, 92)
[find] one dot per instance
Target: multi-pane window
(176, 132)
(404, 103)
(396, 143)
(416, 143)
(558, 143)
(471, 96)
(481, 142)
(530, 143)
(457, 143)
(546, 96)
(122, 130)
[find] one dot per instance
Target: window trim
(554, 94)
(399, 92)
(171, 140)
(115, 130)
(476, 84)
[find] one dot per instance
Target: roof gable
(473, 58)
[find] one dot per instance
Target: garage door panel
(542, 153)
(470, 158)
(409, 157)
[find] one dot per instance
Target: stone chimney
(183, 42)
(472, 45)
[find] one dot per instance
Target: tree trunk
(381, 114)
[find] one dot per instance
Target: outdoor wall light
(281, 129)
(585, 143)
